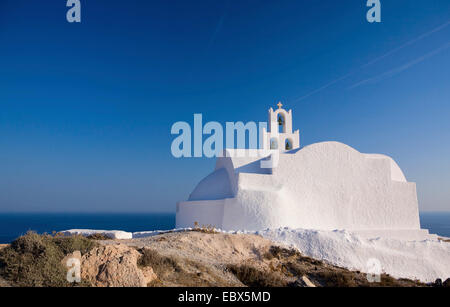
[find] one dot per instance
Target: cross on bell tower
(280, 105)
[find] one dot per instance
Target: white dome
(214, 186)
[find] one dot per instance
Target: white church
(323, 186)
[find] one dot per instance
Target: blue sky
(86, 109)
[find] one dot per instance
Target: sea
(13, 225)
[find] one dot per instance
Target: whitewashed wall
(322, 186)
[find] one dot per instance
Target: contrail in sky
(408, 43)
(219, 26)
(399, 69)
(418, 38)
(323, 87)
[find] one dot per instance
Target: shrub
(35, 260)
(160, 264)
(253, 277)
(98, 237)
(337, 279)
(74, 243)
(204, 229)
(281, 253)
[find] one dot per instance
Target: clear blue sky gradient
(86, 109)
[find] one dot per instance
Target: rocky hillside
(194, 258)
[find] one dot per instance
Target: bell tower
(280, 135)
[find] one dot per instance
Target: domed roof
(214, 186)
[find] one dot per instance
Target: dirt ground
(218, 259)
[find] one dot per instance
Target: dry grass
(177, 271)
(277, 252)
(167, 268)
(257, 278)
(160, 264)
(98, 237)
(35, 260)
(291, 263)
(210, 229)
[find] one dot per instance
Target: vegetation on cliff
(36, 260)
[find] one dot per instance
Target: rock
(114, 266)
(149, 275)
(438, 283)
(446, 283)
(302, 282)
(307, 282)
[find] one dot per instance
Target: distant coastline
(13, 225)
